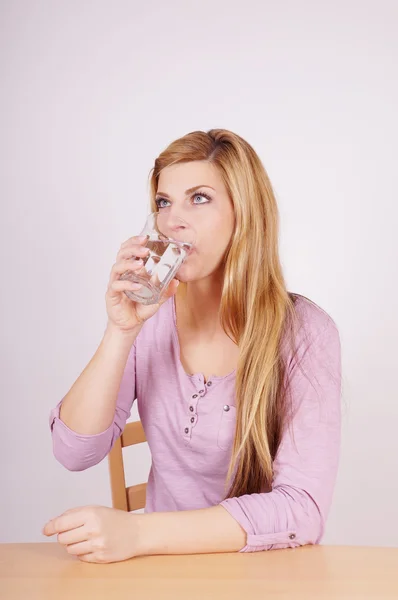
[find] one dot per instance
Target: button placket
(192, 417)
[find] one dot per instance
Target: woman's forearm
(89, 406)
(200, 531)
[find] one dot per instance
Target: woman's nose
(175, 225)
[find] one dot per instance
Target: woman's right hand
(125, 314)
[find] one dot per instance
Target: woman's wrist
(141, 534)
(112, 332)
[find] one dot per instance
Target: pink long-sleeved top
(189, 425)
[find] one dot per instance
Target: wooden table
(46, 571)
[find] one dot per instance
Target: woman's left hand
(97, 534)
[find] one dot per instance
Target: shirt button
(192, 419)
(209, 383)
(226, 408)
(191, 408)
(292, 536)
(186, 430)
(201, 391)
(195, 396)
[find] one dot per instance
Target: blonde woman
(237, 380)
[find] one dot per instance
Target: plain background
(91, 92)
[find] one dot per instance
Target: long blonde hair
(256, 310)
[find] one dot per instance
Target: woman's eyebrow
(189, 191)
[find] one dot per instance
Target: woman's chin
(183, 274)
(182, 278)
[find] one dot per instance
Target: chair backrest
(133, 497)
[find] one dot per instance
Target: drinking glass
(170, 240)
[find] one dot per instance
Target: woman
(237, 380)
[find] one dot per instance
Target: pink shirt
(189, 426)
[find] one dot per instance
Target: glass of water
(170, 241)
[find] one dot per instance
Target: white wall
(91, 93)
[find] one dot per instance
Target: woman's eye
(201, 196)
(158, 202)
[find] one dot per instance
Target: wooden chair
(133, 497)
